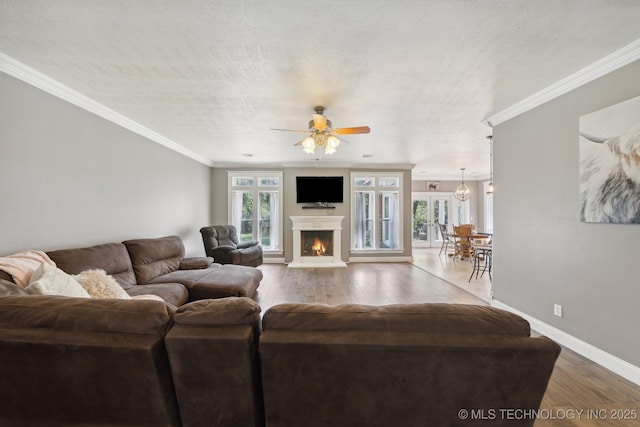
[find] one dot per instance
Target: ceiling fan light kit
(321, 134)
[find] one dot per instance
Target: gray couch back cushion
(113, 258)
(154, 257)
(459, 319)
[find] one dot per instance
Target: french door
(429, 210)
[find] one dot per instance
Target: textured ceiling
(215, 76)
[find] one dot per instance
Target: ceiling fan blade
(352, 131)
(319, 122)
(291, 130)
(343, 140)
(299, 142)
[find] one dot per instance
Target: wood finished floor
(580, 392)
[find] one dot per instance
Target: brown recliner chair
(221, 242)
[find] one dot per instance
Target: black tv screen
(319, 189)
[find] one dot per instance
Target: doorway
(428, 211)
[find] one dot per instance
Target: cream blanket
(22, 264)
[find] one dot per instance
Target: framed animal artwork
(610, 164)
(433, 186)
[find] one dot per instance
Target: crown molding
(604, 66)
(17, 69)
(317, 165)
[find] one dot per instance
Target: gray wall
(219, 201)
(69, 178)
(543, 253)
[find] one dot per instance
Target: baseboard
(381, 259)
(273, 260)
(607, 360)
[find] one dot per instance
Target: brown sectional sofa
(158, 266)
(68, 361)
(399, 365)
(112, 362)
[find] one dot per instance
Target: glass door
(429, 210)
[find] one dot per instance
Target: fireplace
(316, 241)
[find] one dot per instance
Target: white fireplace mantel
(306, 223)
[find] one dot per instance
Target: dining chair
(463, 247)
(446, 239)
(482, 259)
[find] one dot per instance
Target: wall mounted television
(319, 189)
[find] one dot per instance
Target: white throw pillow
(100, 285)
(50, 280)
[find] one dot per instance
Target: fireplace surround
(317, 241)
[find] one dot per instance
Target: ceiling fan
(321, 134)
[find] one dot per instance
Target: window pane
(420, 227)
(389, 220)
(269, 182)
(364, 182)
(363, 227)
(389, 182)
(267, 212)
(242, 181)
(246, 224)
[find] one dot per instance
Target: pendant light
(463, 192)
(490, 187)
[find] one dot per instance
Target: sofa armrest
(244, 245)
(196, 263)
(213, 353)
(225, 254)
(85, 361)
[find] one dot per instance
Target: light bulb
(329, 150)
(309, 145)
(333, 142)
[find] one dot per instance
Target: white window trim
(375, 189)
(256, 175)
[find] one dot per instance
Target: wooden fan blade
(352, 131)
(319, 122)
(291, 130)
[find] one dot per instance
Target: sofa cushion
(214, 358)
(458, 319)
(232, 311)
(85, 315)
(85, 362)
(100, 285)
(217, 281)
(154, 257)
(50, 280)
(173, 293)
(196, 263)
(113, 258)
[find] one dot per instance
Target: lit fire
(318, 247)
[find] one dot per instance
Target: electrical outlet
(557, 310)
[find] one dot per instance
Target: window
(376, 212)
(255, 207)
